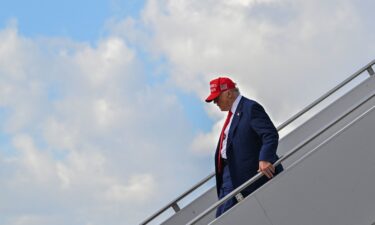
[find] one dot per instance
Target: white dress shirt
(233, 110)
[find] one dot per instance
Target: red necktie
(222, 139)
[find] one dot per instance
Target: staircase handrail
(174, 204)
(252, 180)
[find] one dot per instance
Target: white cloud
(139, 189)
(205, 143)
(35, 166)
(284, 54)
(271, 39)
(106, 62)
(32, 220)
(96, 142)
(88, 132)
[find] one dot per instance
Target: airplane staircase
(329, 161)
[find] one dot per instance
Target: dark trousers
(225, 189)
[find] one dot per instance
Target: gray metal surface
(332, 184)
(256, 216)
(195, 208)
(330, 113)
(203, 202)
(367, 68)
(326, 130)
(327, 115)
(335, 114)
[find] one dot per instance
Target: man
(247, 143)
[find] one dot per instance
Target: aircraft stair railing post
(174, 203)
(370, 71)
(236, 193)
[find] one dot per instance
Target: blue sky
(79, 20)
(102, 118)
(85, 21)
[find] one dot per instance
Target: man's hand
(266, 168)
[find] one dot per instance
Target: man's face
(223, 101)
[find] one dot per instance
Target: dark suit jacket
(252, 137)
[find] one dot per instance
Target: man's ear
(230, 93)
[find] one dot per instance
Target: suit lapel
(235, 121)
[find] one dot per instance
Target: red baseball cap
(219, 85)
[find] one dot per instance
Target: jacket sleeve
(269, 137)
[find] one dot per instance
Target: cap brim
(212, 96)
